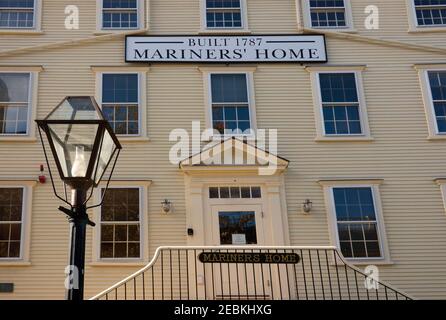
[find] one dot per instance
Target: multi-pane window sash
(11, 215)
(235, 192)
(223, 14)
(340, 104)
(120, 102)
(230, 104)
(328, 14)
(17, 14)
(121, 224)
(14, 103)
(437, 82)
(120, 14)
(357, 223)
(430, 12)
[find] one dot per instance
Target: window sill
(114, 31)
(345, 139)
(436, 137)
(427, 29)
(125, 139)
(12, 263)
(367, 262)
(342, 30)
(20, 32)
(226, 137)
(224, 31)
(117, 264)
(17, 139)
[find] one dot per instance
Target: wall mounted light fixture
(166, 206)
(307, 206)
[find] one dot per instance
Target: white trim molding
(423, 73)
(143, 186)
(317, 103)
(306, 14)
(207, 91)
(413, 22)
(99, 71)
(33, 71)
(224, 30)
(373, 184)
(141, 4)
(25, 241)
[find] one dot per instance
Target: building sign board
(226, 49)
(256, 257)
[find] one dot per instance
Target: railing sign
(255, 257)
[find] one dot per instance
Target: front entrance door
(237, 225)
(240, 226)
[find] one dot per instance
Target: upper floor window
(430, 12)
(11, 220)
(340, 104)
(121, 224)
(120, 102)
(328, 14)
(14, 103)
(120, 14)
(437, 83)
(17, 14)
(230, 103)
(224, 14)
(357, 223)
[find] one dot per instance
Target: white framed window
(433, 86)
(356, 221)
(15, 219)
(18, 100)
(224, 15)
(120, 15)
(121, 93)
(120, 102)
(429, 13)
(339, 101)
(328, 14)
(18, 14)
(229, 99)
(120, 226)
(15, 96)
(121, 233)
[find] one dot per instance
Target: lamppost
(83, 146)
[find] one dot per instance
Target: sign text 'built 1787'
(226, 49)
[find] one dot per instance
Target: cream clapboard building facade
(392, 149)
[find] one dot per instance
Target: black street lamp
(83, 145)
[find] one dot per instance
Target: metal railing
(250, 273)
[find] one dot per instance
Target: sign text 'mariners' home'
(226, 49)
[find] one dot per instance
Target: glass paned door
(238, 226)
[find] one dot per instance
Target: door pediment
(234, 154)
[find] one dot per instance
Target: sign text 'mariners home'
(234, 257)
